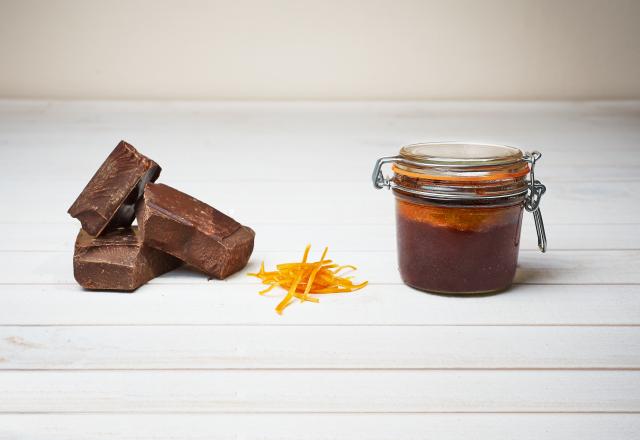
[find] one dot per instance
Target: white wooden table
(556, 357)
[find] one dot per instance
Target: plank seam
(577, 325)
(314, 369)
(604, 412)
(257, 284)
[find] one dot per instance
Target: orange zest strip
(314, 272)
(346, 266)
(304, 278)
(306, 253)
(268, 289)
(287, 299)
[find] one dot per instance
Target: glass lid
(460, 154)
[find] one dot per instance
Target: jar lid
(461, 161)
(461, 154)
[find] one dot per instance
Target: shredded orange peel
(303, 278)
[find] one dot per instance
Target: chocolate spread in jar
(457, 250)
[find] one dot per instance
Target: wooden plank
(223, 304)
(319, 426)
(341, 237)
(336, 347)
(564, 131)
(554, 267)
(320, 391)
(345, 203)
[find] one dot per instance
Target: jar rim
(460, 154)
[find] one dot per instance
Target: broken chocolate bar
(193, 231)
(108, 200)
(118, 260)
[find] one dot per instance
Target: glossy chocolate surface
(108, 201)
(118, 260)
(193, 231)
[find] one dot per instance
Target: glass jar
(459, 212)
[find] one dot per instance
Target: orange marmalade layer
(475, 218)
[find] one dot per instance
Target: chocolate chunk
(118, 260)
(108, 201)
(193, 231)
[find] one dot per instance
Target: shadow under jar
(459, 213)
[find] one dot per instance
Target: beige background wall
(322, 49)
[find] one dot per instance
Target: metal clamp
(532, 199)
(379, 180)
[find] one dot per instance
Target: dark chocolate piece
(118, 260)
(193, 231)
(108, 201)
